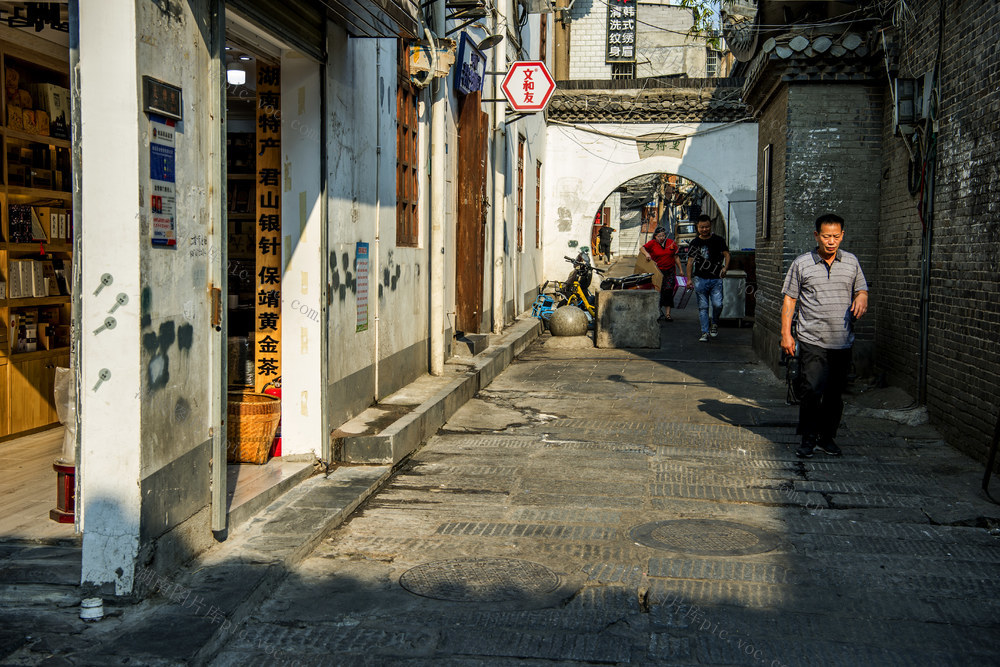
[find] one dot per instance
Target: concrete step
(386, 433)
(272, 480)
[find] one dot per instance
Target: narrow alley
(617, 507)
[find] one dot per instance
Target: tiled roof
(814, 56)
(719, 103)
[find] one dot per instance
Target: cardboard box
(645, 265)
(15, 117)
(53, 100)
(28, 122)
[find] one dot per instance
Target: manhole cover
(480, 580)
(705, 537)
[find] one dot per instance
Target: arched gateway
(599, 139)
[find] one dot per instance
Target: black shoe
(828, 446)
(805, 450)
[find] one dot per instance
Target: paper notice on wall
(162, 176)
(361, 271)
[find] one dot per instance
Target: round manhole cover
(705, 537)
(480, 580)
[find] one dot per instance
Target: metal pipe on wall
(499, 175)
(437, 210)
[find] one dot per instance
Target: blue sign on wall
(471, 70)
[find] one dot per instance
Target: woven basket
(253, 421)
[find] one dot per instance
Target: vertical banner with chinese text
(267, 340)
(621, 31)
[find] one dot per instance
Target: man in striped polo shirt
(829, 290)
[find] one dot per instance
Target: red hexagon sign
(528, 86)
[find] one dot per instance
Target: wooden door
(471, 224)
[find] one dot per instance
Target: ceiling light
(236, 74)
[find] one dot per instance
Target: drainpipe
(373, 257)
(437, 207)
(499, 174)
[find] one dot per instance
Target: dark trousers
(823, 379)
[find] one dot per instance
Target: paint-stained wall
(145, 427)
(361, 166)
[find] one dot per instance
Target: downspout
(324, 245)
(499, 185)
(437, 206)
(373, 256)
(217, 407)
(76, 310)
(926, 210)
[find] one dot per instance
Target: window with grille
(622, 70)
(406, 155)
(538, 204)
(712, 63)
(520, 193)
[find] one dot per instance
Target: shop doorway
(275, 273)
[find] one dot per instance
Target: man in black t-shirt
(708, 261)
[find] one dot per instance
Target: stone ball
(568, 321)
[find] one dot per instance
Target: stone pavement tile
(653, 438)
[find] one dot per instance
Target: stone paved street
(621, 507)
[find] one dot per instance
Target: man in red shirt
(662, 251)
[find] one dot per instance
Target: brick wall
(771, 130)
(963, 379)
(829, 162)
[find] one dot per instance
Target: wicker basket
(253, 421)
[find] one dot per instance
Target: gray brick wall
(826, 158)
(963, 387)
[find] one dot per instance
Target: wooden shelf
(241, 216)
(27, 378)
(34, 246)
(14, 357)
(36, 138)
(240, 177)
(31, 302)
(38, 193)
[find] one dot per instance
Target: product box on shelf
(39, 284)
(54, 100)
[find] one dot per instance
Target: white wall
(722, 161)
(302, 268)
(146, 430)
(110, 454)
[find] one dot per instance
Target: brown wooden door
(471, 224)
